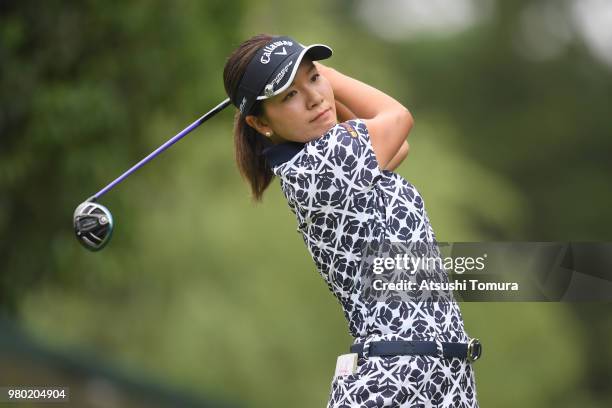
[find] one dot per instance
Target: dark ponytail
(248, 143)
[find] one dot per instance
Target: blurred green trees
(80, 84)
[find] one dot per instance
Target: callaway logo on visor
(268, 49)
(272, 70)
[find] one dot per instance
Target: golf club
(93, 223)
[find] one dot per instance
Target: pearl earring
(268, 134)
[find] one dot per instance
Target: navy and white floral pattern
(342, 199)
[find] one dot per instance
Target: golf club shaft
(161, 148)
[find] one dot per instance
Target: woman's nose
(314, 97)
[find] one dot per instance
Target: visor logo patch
(269, 49)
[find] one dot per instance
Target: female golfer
(333, 141)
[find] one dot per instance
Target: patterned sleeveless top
(342, 199)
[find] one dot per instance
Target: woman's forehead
(305, 66)
(306, 63)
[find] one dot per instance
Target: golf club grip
(161, 148)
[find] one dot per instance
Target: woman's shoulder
(352, 126)
(350, 129)
(309, 154)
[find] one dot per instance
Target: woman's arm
(387, 120)
(399, 157)
(344, 113)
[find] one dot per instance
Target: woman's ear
(258, 124)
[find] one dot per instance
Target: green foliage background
(206, 292)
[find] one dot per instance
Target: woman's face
(295, 114)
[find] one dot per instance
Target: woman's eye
(290, 94)
(315, 77)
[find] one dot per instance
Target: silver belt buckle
(474, 350)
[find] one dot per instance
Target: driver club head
(93, 225)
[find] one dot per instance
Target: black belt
(470, 351)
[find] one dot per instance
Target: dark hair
(248, 144)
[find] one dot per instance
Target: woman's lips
(322, 114)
